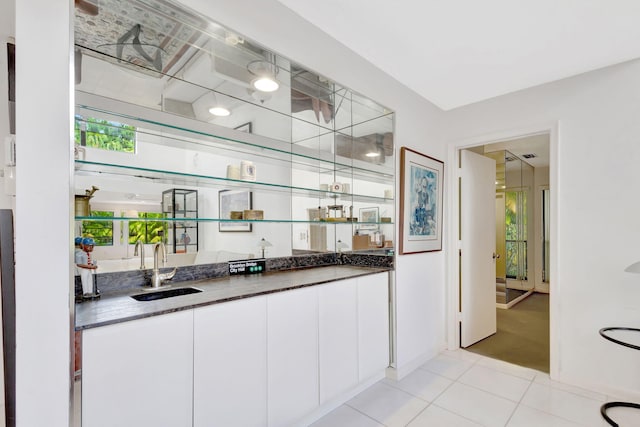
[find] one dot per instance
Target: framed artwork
(245, 127)
(421, 192)
(233, 201)
(370, 215)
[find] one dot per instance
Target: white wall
(597, 231)
(43, 175)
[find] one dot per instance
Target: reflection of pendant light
(265, 84)
(265, 71)
(219, 111)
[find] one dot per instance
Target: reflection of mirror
(158, 70)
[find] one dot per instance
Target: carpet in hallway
(523, 334)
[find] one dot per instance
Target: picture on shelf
(369, 218)
(233, 201)
(421, 202)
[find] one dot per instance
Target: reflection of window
(101, 231)
(516, 234)
(147, 231)
(104, 134)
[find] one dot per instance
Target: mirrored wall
(168, 101)
(514, 225)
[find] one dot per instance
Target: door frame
(452, 269)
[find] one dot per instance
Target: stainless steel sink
(167, 293)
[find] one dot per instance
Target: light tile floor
(462, 389)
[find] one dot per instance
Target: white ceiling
(457, 52)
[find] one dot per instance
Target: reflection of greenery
(107, 135)
(516, 233)
(101, 231)
(147, 231)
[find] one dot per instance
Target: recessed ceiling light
(219, 111)
(265, 84)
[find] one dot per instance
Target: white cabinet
(139, 373)
(373, 324)
(338, 337)
(292, 355)
(269, 360)
(230, 364)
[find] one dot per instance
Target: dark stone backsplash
(118, 282)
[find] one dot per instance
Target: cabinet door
(338, 329)
(230, 364)
(139, 373)
(292, 354)
(373, 324)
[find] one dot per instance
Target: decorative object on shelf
(335, 209)
(233, 200)
(83, 208)
(236, 214)
(351, 218)
(336, 187)
(360, 241)
(245, 127)
(252, 214)
(263, 244)
(247, 170)
(233, 172)
(369, 218)
(388, 193)
(421, 189)
(346, 187)
(377, 239)
(385, 219)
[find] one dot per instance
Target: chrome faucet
(135, 253)
(157, 278)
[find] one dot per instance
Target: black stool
(603, 408)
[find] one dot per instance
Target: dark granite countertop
(121, 308)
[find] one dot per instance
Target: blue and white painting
(423, 202)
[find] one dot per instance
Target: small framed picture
(233, 201)
(369, 218)
(245, 127)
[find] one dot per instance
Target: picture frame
(229, 201)
(421, 202)
(370, 216)
(245, 127)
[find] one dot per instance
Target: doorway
(524, 253)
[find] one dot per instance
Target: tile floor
(462, 389)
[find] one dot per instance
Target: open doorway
(521, 257)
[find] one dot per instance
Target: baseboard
(610, 392)
(513, 302)
(400, 372)
(339, 400)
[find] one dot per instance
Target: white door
(478, 243)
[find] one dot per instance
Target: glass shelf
(188, 133)
(189, 179)
(230, 221)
